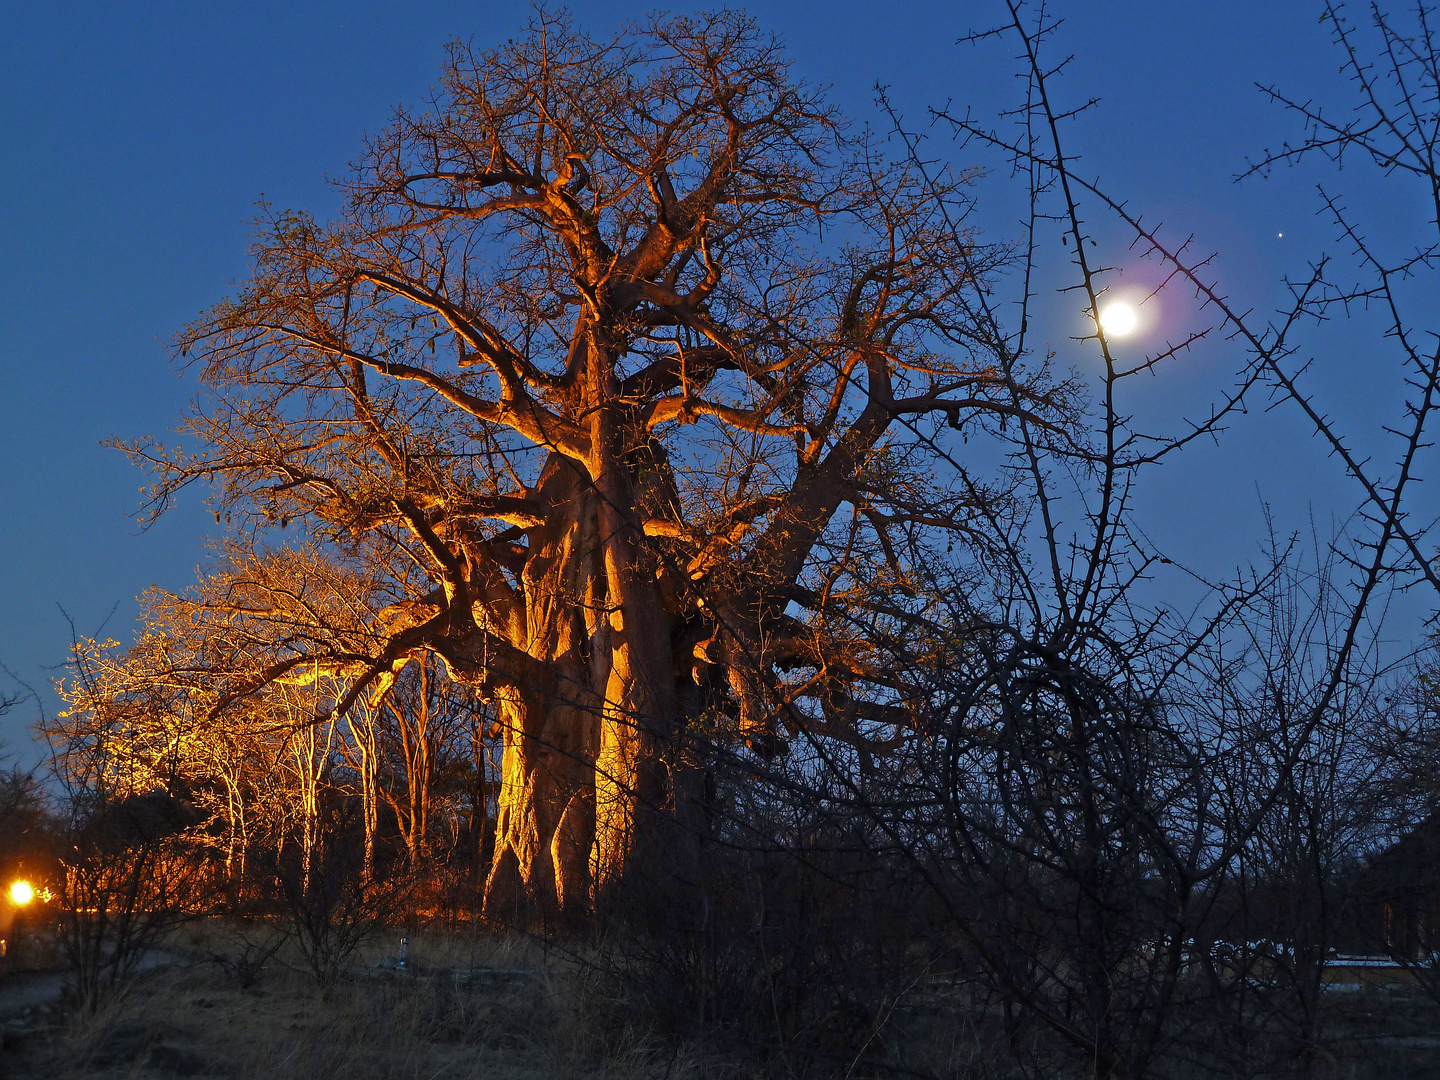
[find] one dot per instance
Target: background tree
(1121, 782)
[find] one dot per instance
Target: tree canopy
(624, 362)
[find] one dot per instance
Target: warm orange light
(21, 893)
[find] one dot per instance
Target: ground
(465, 1006)
(507, 1008)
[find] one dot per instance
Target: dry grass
(378, 1024)
(508, 1008)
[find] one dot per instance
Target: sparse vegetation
(504, 1008)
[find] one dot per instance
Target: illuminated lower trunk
(580, 763)
(545, 815)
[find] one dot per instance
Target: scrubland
(507, 1007)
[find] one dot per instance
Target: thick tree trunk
(580, 767)
(545, 813)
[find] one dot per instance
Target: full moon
(1118, 320)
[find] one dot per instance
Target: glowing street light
(21, 893)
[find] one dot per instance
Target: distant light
(1118, 320)
(21, 893)
(1281, 235)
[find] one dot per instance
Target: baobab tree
(624, 357)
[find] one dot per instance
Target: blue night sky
(138, 137)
